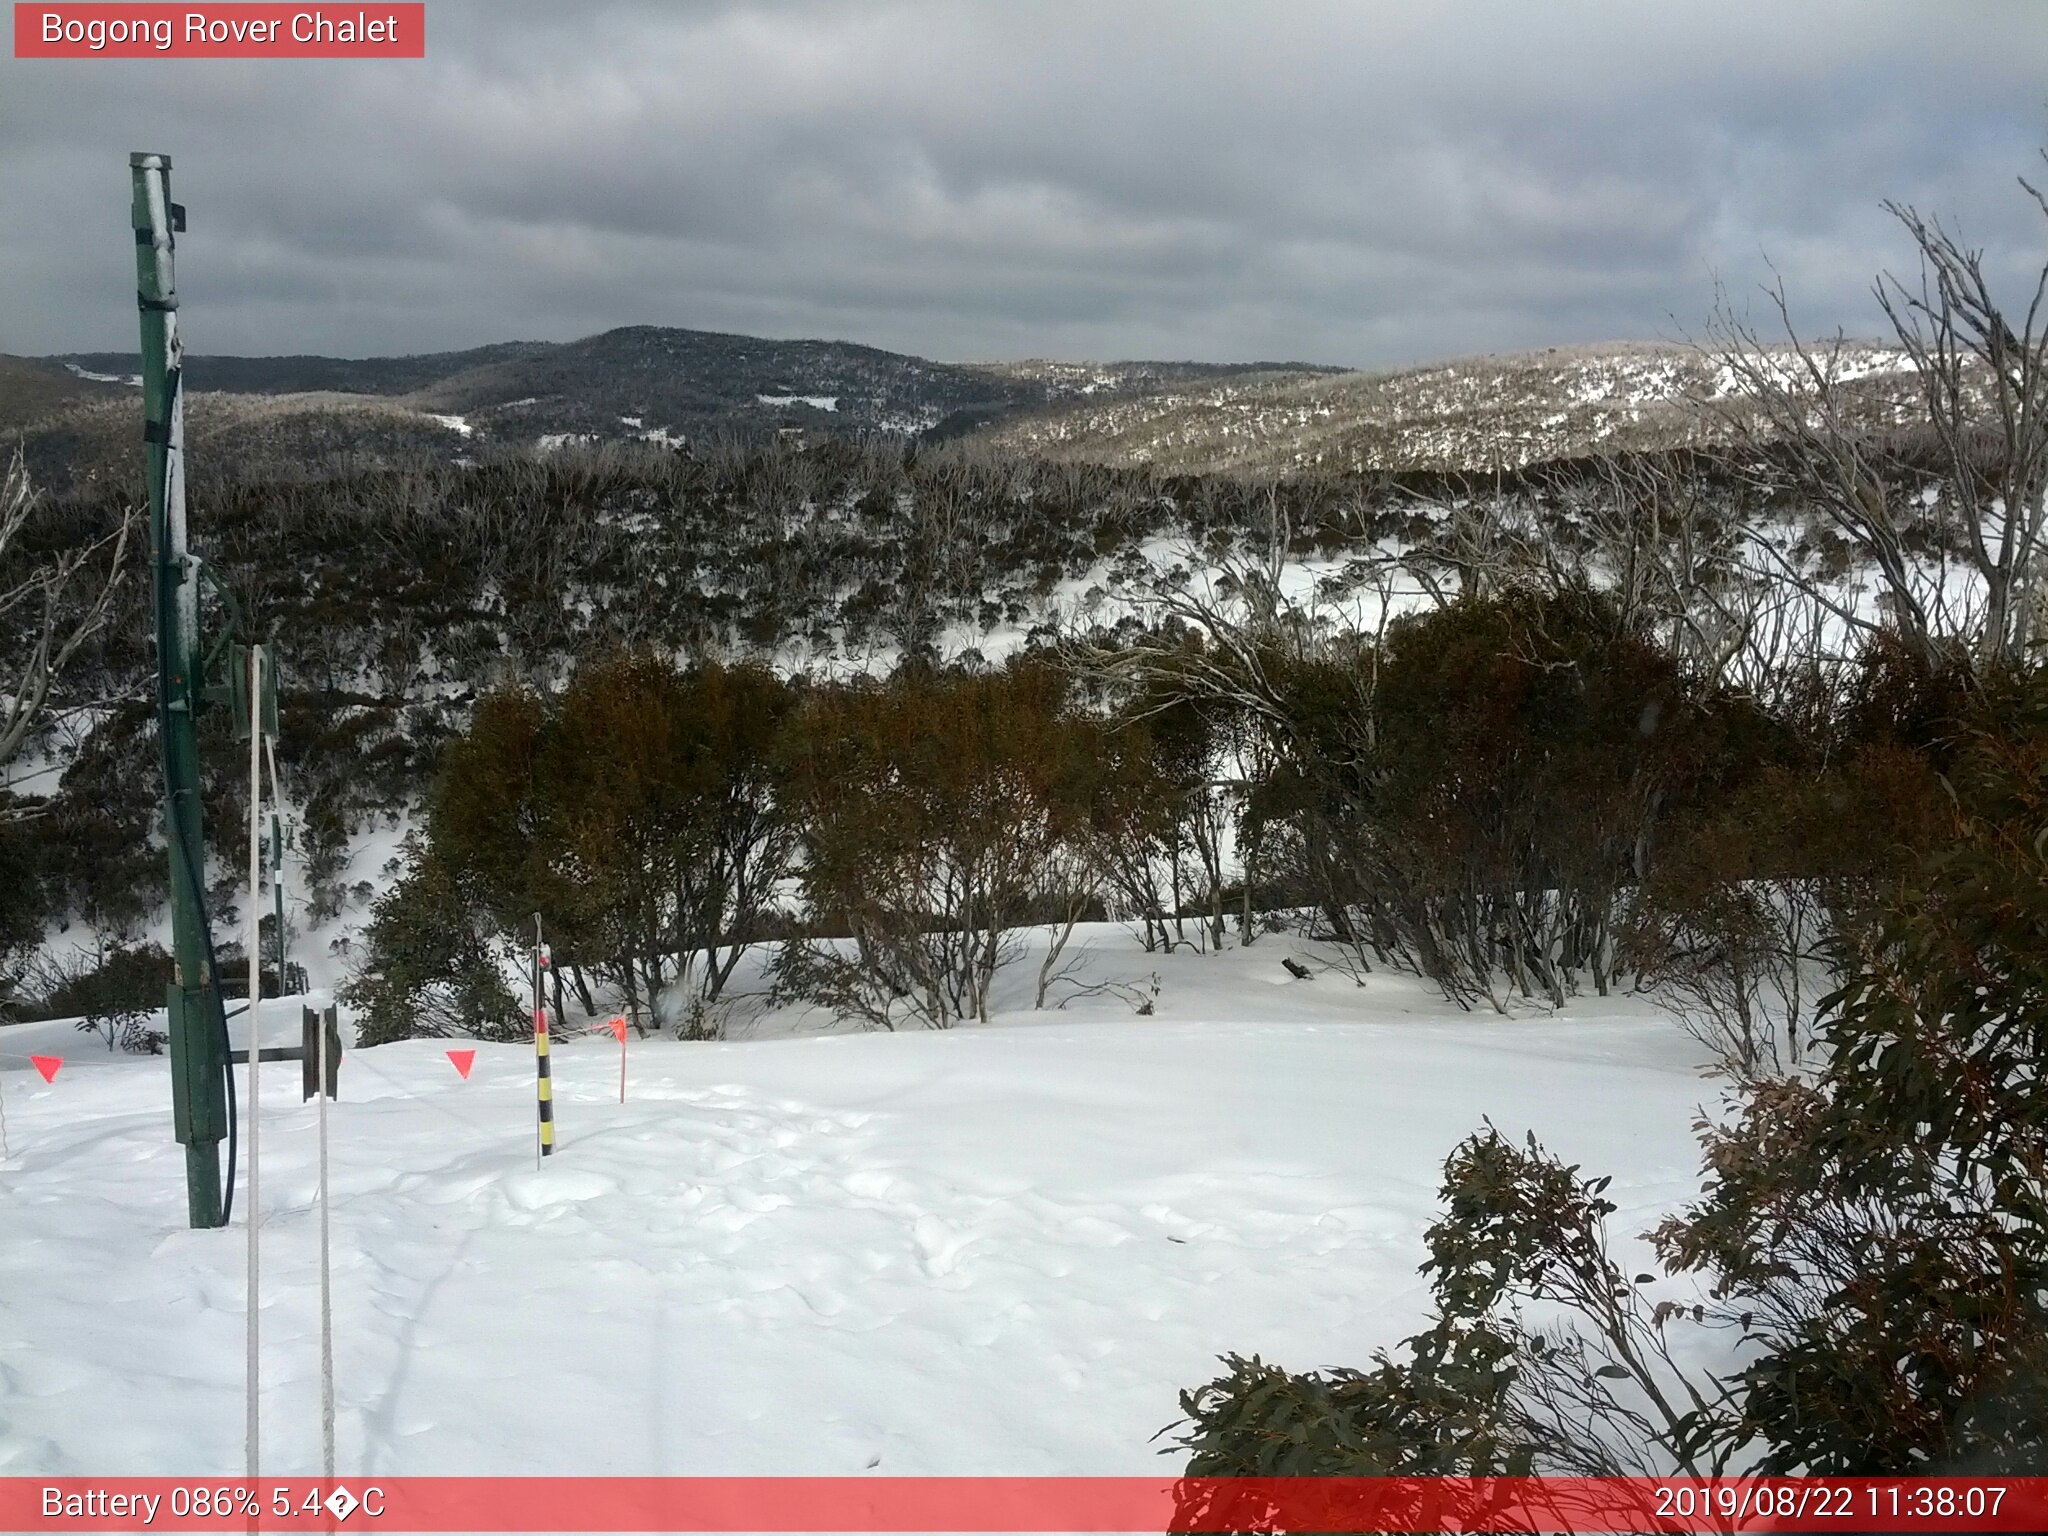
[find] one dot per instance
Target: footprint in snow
(938, 1245)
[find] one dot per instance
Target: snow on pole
(544, 1130)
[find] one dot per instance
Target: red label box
(1673, 1506)
(216, 31)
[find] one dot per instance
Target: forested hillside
(309, 417)
(401, 597)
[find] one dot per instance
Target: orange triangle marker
(463, 1060)
(48, 1065)
(618, 1029)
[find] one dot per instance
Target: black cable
(172, 393)
(212, 989)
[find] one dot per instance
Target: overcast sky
(1352, 182)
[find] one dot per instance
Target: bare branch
(52, 607)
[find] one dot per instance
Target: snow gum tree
(1881, 1229)
(637, 815)
(53, 601)
(432, 965)
(663, 831)
(938, 813)
(1472, 797)
(1874, 1230)
(1738, 927)
(1946, 477)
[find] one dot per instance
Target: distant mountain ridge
(661, 380)
(76, 413)
(305, 374)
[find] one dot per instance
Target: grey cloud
(1351, 183)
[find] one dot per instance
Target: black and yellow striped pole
(544, 1145)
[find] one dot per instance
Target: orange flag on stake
(618, 1029)
(463, 1061)
(48, 1065)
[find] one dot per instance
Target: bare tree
(1979, 373)
(1485, 538)
(1985, 388)
(1798, 403)
(1226, 631)
(1227, 634)
(49, 610)
(1670, 564)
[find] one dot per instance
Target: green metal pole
(198, 1064)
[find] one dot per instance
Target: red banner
(818, 1504)
(215, 31)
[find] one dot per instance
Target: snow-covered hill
(1476, 414)
(657, 384)
(992, 1250)
(77, 418)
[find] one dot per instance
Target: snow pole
(321, 1095)
(544, 1129)
(326, 1284)
(545, 1087)
(253, 1370)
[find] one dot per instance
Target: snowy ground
(996, 1250)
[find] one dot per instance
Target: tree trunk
(582, 985)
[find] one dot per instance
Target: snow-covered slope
(1001, 1249)
(1480, 414)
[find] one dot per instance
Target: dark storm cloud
(1347, 182)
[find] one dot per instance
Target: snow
(999, 1249)
(453, 423)
(132, 380)
(36, 771)
(816, 402)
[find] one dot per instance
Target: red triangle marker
(48, 1065)
(463, 1060)
(617, 1028)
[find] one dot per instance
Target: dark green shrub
(428, 971)
(122, 982)
(1876, 1233)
